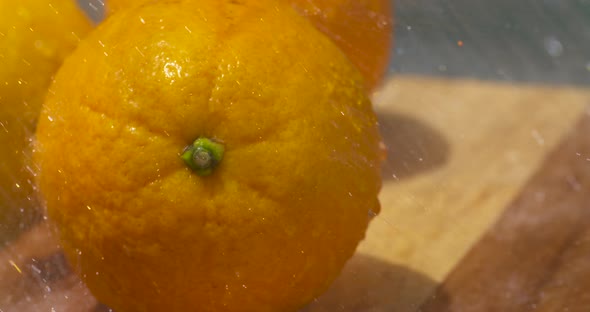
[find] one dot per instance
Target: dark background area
(545, 41)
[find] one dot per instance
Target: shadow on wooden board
(413, 146)
(371, 285)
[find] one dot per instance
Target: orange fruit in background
(274, 104)
(35, 36)
(363, 29)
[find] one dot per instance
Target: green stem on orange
(203, 156)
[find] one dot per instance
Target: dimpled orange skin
(363, 29)
(274, 224)
(35, 37)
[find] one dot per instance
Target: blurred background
(527, 41)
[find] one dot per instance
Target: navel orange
(219, 156)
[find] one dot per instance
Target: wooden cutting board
(485, 204)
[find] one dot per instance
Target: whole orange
(219, 156)
(35, 36)
(363, 29)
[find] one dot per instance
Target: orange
(363, 29)
(219, 156)
(35, 36)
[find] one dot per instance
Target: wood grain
(481, 143)
(536, 257)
